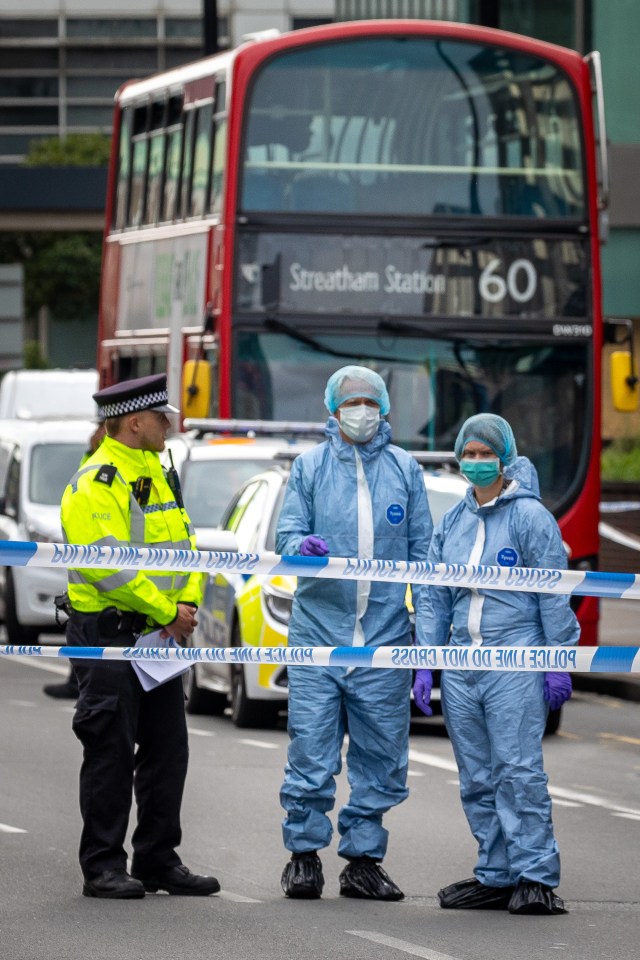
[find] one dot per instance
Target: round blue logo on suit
(507, 557)
(395, 514)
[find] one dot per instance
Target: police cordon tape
(503, 659)
(128, 557)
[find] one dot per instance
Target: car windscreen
(209, 485)
(52, 466)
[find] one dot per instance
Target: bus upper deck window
(139, 167)
(156, 162)
(201, 161)
(171, 185)
(187, 164)
(124, 169)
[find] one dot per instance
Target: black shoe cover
(302, 877)
(532, 897)
(472, 895)
(364, 878)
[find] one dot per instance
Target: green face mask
(481, 473)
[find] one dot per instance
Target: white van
(48, 394)
(37, 460)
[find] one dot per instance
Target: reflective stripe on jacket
(96, 511)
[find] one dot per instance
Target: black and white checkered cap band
(118, 409)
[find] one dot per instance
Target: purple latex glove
(557, 689)
(422, 691)
(313, 546)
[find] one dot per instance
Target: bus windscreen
(434, 383)
(413, 126)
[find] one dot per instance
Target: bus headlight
(278, 603)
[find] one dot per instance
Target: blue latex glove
(557, 689)
(313, 546)
(422, 691)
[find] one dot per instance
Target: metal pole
(210, 27)
(489, 13)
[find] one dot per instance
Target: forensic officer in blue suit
(355, 495)
(496, 720)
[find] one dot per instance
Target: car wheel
(200, 701)
(553, 722)
(245, 711)
(17, 632)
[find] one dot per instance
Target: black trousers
(113, 717)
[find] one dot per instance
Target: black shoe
(364, 878)
(472, 895)
(178, 881)
(113, 885)
(61, 691)
(531, 897)
(302, 877)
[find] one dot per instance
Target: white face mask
(359, 423)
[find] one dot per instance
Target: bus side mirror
(196, 388)
(624, 382)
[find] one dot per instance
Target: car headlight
(278, 604)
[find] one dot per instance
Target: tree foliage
(75, 150)
(620, 460)
(62, 271)
(33, 356)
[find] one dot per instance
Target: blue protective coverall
(496, 720)
(366, 500)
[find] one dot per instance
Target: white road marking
(39, 664)
(6, 828)
(22, 703)
(194, 732)
(593, 801)
(259, 743)
(634, 741)
(565, 803)
(627, 816)
(236, 897)
(415, 773)
(432, 760)
(411, 948)
(559, 794)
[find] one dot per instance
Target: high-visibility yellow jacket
(98, 507)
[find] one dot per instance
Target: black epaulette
(106, 474)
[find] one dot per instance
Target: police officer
(122, 495)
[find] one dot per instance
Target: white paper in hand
(151, 673)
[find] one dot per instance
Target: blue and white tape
(502, 659)
(126, 557)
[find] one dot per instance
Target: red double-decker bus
(421, 197)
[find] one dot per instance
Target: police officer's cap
(132, 396)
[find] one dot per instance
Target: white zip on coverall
(365, 547)
(477, 600)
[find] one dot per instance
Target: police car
(214, 458)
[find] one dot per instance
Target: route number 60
(520, 284)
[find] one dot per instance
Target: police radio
(174, 483)
(142, 490)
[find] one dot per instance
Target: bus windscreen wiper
(455, 243)
(280, 326)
